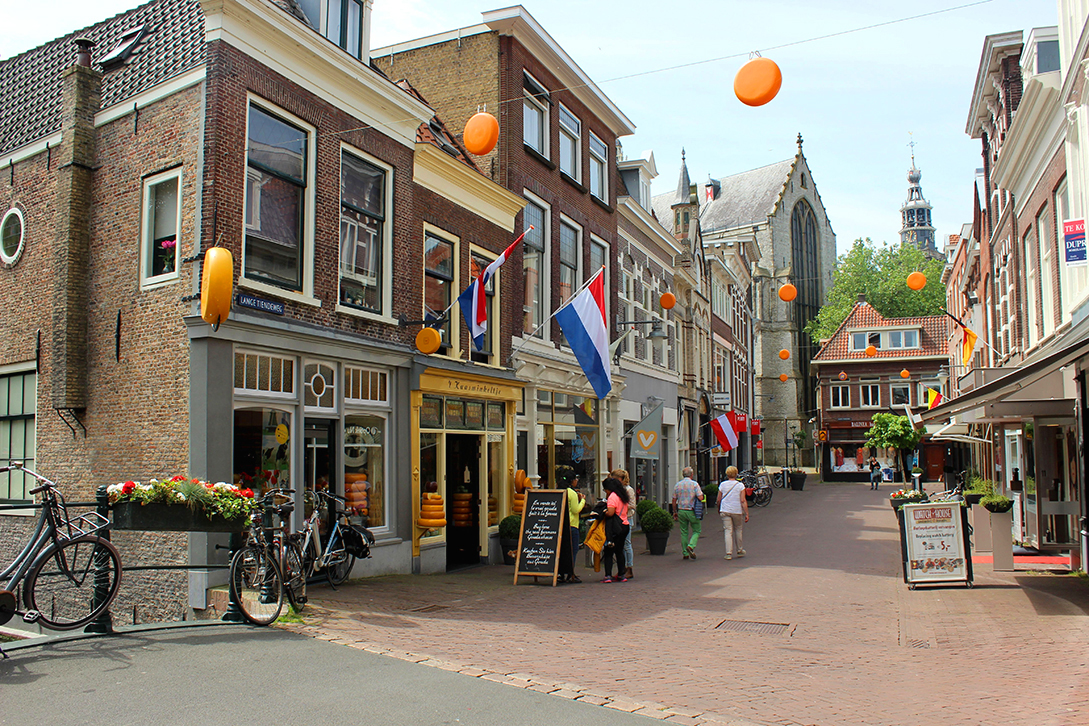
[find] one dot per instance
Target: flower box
(157, 517)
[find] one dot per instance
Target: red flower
(209, 485)
(247, 493)
(179, 477)
(128, 487)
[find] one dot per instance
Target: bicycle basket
(357, 542)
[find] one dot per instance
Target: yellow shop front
(462, 466)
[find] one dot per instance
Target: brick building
(558, 150)
(347, 205)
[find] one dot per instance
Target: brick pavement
(677, 643)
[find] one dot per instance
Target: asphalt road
(237, 674)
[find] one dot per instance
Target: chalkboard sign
(543, 524)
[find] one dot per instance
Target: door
(935, 463)
(462, 500)
(319, 456)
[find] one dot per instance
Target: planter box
(170, 518)
(509, 548)
(797, 480)
(656, 542)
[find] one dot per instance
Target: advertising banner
(934, 541)
(646, 436)
(1074, 242)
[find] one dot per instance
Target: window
(365, 465)
(570, 252)
(599, 256)
(264, 373)
(904, 339)
(1047, 273)
(18, 404)
(319, 387)
(262, 449)
(477, 263)
(861, 341)
(599, 166)
(342, 21)
(362, 237)
(841, 396)
(11, 236)
(161, 227)
(901, 395)
(570, 144)
(366, 386)
(1032, 293)
(438, 283)
(1073, 278)
(533, 269)
(535, 115)
(277, 172)
(871, 394)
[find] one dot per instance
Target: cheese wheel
(462, 497)
(216, 286)
(432, 512)
(430, 523)
(433, 496)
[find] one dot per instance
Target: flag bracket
(403, 322)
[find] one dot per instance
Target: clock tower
(916, 227)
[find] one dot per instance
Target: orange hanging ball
(916, 281)
(757, 82)
(481, 133)
(788, 292)
(905, 373)
(784, 377)
(668, 300)
(871, 351)
(784, 354)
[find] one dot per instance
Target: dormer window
(904, 339)
(124, 48)
(341, 21)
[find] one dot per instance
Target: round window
(11, 236)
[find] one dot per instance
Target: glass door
(318, 458)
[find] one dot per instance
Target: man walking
(685, 494)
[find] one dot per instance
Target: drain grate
(428, 609)
(748, 626)
(919, 643)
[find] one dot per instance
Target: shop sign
(646, 436)
(256, 303)
(934, 538)
(721, 400)
(543, 517)
(755, 428)
(1074, 240)
(760, 444)
(741, 422)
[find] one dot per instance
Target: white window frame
(147, 230)
(897, 339)
(16, 212)
(1047, 272)
(574, 136)
(260, 393)
(383, 376)
(533, 104)
(491, 355)
(596, 241)
(867, 389)
(386, 313)
(1032, 296)
(839, 396)
(306, 296)
(306, 386)
(597, 161)
(453, 346)
(545, 299)
(565, 220)
(1073, 280)
(854, 341)
(898, 387)
(386, 455)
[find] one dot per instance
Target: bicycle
(69, 574)
(257, 581)
(762, 489)
(337, 558)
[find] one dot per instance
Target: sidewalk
(814, 626)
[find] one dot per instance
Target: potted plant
(900, 497)
(978, 488)
(644, 506)
(178, 504)
(997, 503)
(508, 537)
(656, 524)
(796, 479)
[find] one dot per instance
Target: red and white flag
(724, 432)
(473, 301)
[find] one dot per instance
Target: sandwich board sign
(934, 543)
(544, 518)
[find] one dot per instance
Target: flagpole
(955, 318)
(444, 312)
(532, 335)
(660, 405)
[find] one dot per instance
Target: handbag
(749, 492)
(697, 508)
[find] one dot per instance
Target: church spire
(684, 185)
(916, 227)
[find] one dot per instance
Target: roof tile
(932, 337)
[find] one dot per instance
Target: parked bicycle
(760, 483)
(343, 544)
(68, 573)
(257, 580)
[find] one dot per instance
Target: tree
(896, 432)
(880, 274)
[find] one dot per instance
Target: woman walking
(621, 475)
(734, 511)
(616, 528)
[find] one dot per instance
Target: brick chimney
(80, 99)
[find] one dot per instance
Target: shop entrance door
(462, 500)
(319, 457)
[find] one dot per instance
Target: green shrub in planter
(656, 520)
(996, 503)
(509, 526)
(711, 490)
(644, 506)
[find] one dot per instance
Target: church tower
(916, 227)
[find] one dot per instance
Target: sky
(857, 98)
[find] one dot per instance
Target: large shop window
(438, 283)
(362, 237)
(262, 448)
(18, 403)
(365, 466)
(161, 230)
(276, 161)
(567, 439)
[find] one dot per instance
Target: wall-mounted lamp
(656, 331)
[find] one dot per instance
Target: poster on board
(543, 519)
(1074, 242)
(934, 542)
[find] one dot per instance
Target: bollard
(234, 612)
(103, 624)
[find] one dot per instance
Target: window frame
(13, 211)
(868, 389)
(25, 371)
(839, 396)
(385, 245)
(147, 279)
(543, 301)
(536, 98)
(894, 387)
(451, 346)
(566, 221)
(574, 136)
(305, 295)
(490, 354)
(602, 161)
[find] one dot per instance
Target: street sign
(721, 400)
(822, 435)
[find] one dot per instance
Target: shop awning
(1030, 372)
(954, 431)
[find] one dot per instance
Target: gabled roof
(436, 133)
(932, 336)
(172, 44)
(748, 197)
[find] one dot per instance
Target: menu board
(539, 539)
(934, 543)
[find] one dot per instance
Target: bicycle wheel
(295, 573)
(339, 568)
(778, 482)
(71, 583)
(762, 497)
(257, 585)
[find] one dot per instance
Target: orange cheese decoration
(757, 82)
(481, 133)
(216, 286)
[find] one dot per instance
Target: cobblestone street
(813, 626)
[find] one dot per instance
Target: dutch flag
(473, 301)
(724, 431)
(583, 323)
